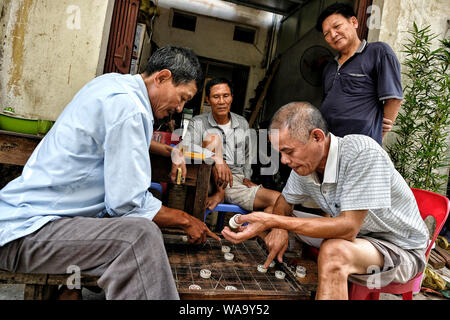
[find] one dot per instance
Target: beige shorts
(400, 265)
(240, 194)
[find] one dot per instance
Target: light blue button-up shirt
(94, 161)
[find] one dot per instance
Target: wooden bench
(16, 148)
(42, 286)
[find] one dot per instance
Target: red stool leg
(407, 295)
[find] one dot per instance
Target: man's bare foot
(214, 200)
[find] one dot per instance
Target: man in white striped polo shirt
(371, 222)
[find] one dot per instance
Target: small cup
(300, 269)
(194, 287)
(228, 256)
(261, 268)
(279, 274)
(205, 273)
(233, 224)
(232, 288)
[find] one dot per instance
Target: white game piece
(280, 274)
(300, 268)
(228, 256)
(194, 287)
(261, 268)
(272, 264)
(300, 271)
(205, 273)
(230, 288)
(233, 224)
(184, 238)
(226, 249)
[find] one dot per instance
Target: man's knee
(135, 228)
(334, 257)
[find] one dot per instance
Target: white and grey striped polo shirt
(359, 175)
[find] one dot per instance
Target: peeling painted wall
(3, 13)
(50, 50)
(397, 17)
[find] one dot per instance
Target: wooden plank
(35, 292)
(362, 16)
(263, 94)
(61, 279)
(43, 279)
(444, 254)
(435, 260)
(161, 167)
(201, 191)
(16, 148)
(25, 278)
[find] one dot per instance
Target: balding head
(299, 118)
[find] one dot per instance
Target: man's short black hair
(339, 8)
(215, 81)
(182, 63)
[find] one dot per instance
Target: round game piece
(184, 238)
(300, 269)
(205, 273)
(194, 287)
(279, 274)
(228, 256)
(272, 264)
(230, 288)
(261, 268)
(233, 224)
(226, 249)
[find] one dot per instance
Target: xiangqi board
(238, 278)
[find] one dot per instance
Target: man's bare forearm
(169, 217)
(160, 148)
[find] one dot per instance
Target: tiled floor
(15, 292)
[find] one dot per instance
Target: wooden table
(16, 148)
(237, 279)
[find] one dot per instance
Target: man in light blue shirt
(94, 162)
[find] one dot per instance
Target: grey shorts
(240, 194)
(400, 265)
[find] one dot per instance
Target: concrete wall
(396, 18)
(213, 37)
(50, 50)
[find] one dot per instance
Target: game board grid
(225, 273)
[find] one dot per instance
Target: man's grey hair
(300, 118)
(182, 63)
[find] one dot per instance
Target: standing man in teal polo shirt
(362, 86)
